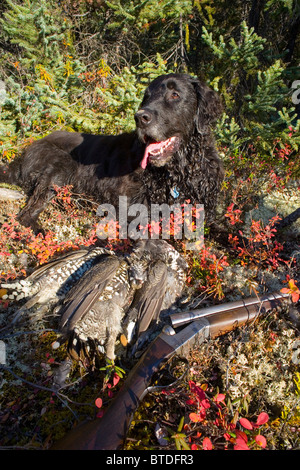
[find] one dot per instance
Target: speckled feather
(49, 283)
(121, 294)
(96, 294)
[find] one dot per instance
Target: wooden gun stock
(109, 432)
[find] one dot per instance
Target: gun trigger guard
(168, 367)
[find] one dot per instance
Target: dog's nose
(143, 117)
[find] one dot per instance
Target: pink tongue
(144, 162)
(150, 150)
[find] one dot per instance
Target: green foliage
(125, 92)
(206, 11)
(140, 14)
(47, 80)
(228, 133)
(270, 90)
(288, 4)
(242, 54)
(57, 71)
(34, 28)
(44, 80)
(258, 106)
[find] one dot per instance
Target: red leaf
(194, 417)
(207, 444)
(98, 402)
(116, 379)
(190, 402)
(241, 436)
(219, 397)
(241, 445)
(205, 404)
(246, 423)
(262, 418)
(241, 441)
(261, 441)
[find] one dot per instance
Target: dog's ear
(209, 106)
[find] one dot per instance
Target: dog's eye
(174, 95)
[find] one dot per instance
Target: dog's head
(174, 106)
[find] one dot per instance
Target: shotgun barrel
(273, 300)
(109, 432)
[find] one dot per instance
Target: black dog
(170, 157)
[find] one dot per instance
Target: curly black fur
(105, 167)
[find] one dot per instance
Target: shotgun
(109, 432)
(179, 319)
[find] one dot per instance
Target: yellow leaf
(2, 293)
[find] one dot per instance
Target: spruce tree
(258, 105)
(125, 93)
(33, 26)
(45, 77)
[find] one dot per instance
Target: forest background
(83, 66)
